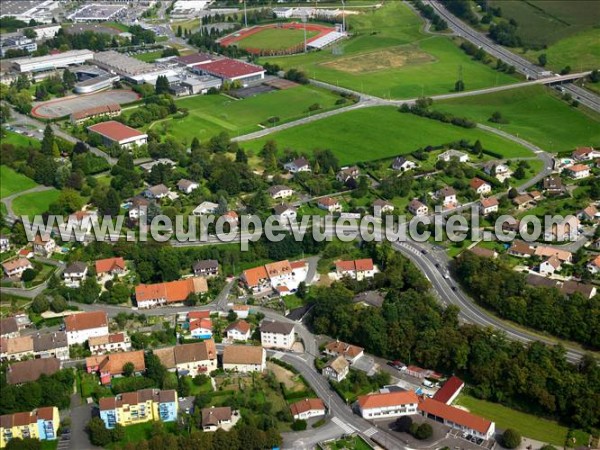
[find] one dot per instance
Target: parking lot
(62, 107)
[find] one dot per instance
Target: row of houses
(41, 423)
(282, 276)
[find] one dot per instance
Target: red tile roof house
(348, 351)
(488, 205)
(238, 331)
(307, 408)
(392, 404)
(113, 132)
(329, 204)
(457, 418)
(15, 267)
(450, 390)
(481, 187)
(172, 292)
(82, 326)
(358, 269)
(110, 267)
(232, 70)
(111, 365)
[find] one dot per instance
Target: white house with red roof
(329, 204)
(594, 265)
(449, 391)
(238, 331)
(231, 70)
(201, 329)
(488, 205)
(358, 269)
(80, 327)
(585, 153)
(307, 408)
(113, 132)
(481, 187)
(392, 404)
(578, 171)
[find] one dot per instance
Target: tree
(424, 431)
(99, 434)
(511, 438)
(299, 425)
(459, 86)
(69, 79)
(40, 304)
(109, 204)
(23, 444)
(179, 31)
(403, 424)
(162, 85)
(118, 433)
(59, 304)
(565, 70)
(48, 140)
(542, 59)
(128, 369)
(28, 275)
(594, 76)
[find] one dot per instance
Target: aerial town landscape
(300, 224)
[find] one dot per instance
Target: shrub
(511, 438)
(28, 275)
(299, 425)
(403, 424)
(424, 431)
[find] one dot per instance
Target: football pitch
(275, 39)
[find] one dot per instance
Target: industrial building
(113, 132)
(97, 13)
(131, 69)
(16, 41)
(52, 62)
(92, 79)
(232, 70)
(25, 10)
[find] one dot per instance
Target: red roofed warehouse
(233, 70)
(457, 418)
(113, 132)
(450, 390)
(392, 404)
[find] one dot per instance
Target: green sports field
(211, 114)
(13, 182)
(275, 39)
(390, 56)
(380, 132)
(34, 203)
(534, 113)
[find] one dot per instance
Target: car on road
(437, 265)
(453, 288)
(397, 365)
(424, 252)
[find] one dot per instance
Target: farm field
(13, 182)
(34, 203)
(381, 132)
(211, 114)
(275, 39)
(543, 430)
(581, 52)
(535, 114)
(389, 56)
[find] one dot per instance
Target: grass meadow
(34, 203)
(19, 140)
(534, 113)
(13, 182)
(275, 39)
(381, 132)
(390, 56)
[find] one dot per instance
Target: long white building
(393, 404)
(52, 62)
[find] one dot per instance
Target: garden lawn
(19, 140)
(381, 132)
(275, 39)
(528, 425)
(389, 56)
(535, 114)
(13, 182)
(210, 115)
(34, 203)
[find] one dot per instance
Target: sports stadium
(282, 38)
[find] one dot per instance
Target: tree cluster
(428, 12)
(421, 109)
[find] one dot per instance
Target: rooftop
(115, 131)
(230, 68)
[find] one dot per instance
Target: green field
(211, 114)
(380, 132)
(13, 182)
(34, 203)
(389, 56)
(275, 39)
(581, 52)
(530, 426)
(149, 56)
(535, 114)
(19, 140)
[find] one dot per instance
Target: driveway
(80, 416)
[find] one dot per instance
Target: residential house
(205, 208)
(15, 267)
(449, 391)
(256, 279)
(456, 418)
(483, 252)
(496, 169)
(277, 334)
(82, 220)
(358, 269)
(448, 197)
(307, 408)
(351, 353)
(31, 370)
(82, 326)
(238, 331)
(114, 342)
(279, 273)
(156, 192)
(563, 256)
(138, 207)
(578, 171)
(566, 229)
(453, 154)
(402, 164)
(297, 165)
(201, 329)
(215, 417)
(553, 185)
(4, 244)
(280, 191)
(480, 187)
(232, 218)
(169, 293)
(75, 273)
(585, 154)
(9, 328)
(147, 167)
(17, 348)
(590, 214)
(347, 173)
(244, 358)
(41, 424)
(187, 186)
(594, 265)
(43, 245)
(284, 212)
(337, 369)
(110, 267)
(392, 404)
(25, 253)
(141, 406)
(112, 364)
(549, 266)
(488, 205)
(206, 268)
(572, 287)
(521, 249)
(523, 201)
(51, 345)
(417, 208)
(241, 311)
(196, 358)
(329, 204)
(383, 206)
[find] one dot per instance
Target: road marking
(371, 431)
(278, 355)
(344, 426)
